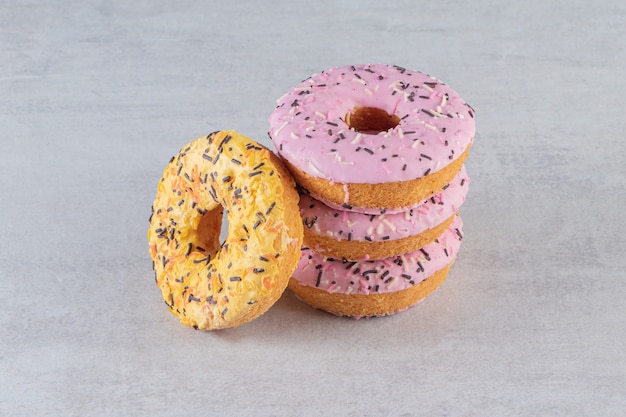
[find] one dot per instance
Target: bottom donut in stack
(362, 265)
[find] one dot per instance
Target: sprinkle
(389, 224)
(252, 174)
(281, 127)
(425, 156)
(356, 139)
(235, 278)
(224, 141)
(235, 161)
(316, 169)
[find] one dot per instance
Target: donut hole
(209, 229)
(371, 120)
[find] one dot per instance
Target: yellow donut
(209, 285)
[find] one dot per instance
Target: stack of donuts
(377, 152)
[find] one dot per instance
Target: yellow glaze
(209, 285)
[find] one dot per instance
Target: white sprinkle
(415, 144)
(281, 127)
(294, 136)
(391, 282)
(370, 230)
(429, 126)
(400, 133)
(368, 91)
(358, 80)
(320, 115)
(351, 224)
(390, 225)
(316, 169)
(380, 229)
(357, 138)
(444, 100)
(405, 264)
(427, 87)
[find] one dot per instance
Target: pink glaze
(350, 225)
(381, 276)
(308, 128)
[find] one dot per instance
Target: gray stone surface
(95, 97)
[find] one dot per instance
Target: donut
(376, 137)
(352, 235)
(375, 287)
(211, 285)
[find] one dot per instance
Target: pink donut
(353, 235)
(371, 288)
(368, 125)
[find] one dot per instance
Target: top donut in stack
(378, 154)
